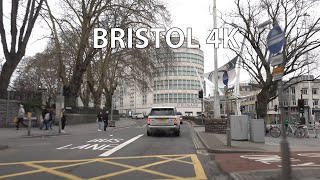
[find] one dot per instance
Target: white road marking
(111, 135)
(64, 147)
(108, 153)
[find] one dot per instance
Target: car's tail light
(148, 121)
(175, 121)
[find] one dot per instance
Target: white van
(163, 118)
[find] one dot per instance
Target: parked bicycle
(274, 130)
(298, 130)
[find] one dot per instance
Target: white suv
(163, 118)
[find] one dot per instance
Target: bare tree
(39, 71)
(301, 38)
(18, 39)
(112, 67)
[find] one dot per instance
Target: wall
(13, 111)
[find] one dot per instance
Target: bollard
(29, 123)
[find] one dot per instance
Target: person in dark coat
(63, 120)
(100, 120)
(105, 120)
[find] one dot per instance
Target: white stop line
(120, 146)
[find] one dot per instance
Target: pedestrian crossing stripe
(56, 170)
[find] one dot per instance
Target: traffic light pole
(202, 110)
(228, 131)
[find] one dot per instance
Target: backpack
(47, 117)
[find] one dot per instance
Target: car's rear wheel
(149, 133)
(177, 133)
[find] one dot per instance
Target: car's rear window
(162, 112)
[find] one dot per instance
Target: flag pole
(216, 102)
(237, 85)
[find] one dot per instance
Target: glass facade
(180, 71)
(179, 84)
(189, 57)
(175, 98)
(183, 84)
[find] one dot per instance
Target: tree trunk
(74, 86)
(108, 103)
(97, 100)
(7, 71)
(262, 103)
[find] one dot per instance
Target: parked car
(163, 119)
(180, 116)
(138, 116)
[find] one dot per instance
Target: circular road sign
(275, 39)
(225, 78)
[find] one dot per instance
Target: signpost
(225, 79)
(275, 42)
(276, 60)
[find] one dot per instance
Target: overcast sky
(184, 13)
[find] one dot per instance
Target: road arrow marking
(120, 146)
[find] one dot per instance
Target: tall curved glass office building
(177, 86)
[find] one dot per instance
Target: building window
(294, 102)
(304, 91)
(316, 102)
(293, 90)
(305, 102)
(144, 99)
(314, 91)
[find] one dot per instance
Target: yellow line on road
(82, 160)
(198, 167)
(138, 168)
(168, 158)
(42, 170)
(144, 170)
(178, 160)
(54, 172)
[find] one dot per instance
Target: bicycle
(274, 130)
(298, 130)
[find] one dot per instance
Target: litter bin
(239, 127)
(257, 130)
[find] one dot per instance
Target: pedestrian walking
(105, 120)
(50, 121)
(63, 120)
(44, 118)
(100, 120)
(21, 114)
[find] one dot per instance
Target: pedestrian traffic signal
(200, 94)
(242, 108)
(276, 108)
(301, 105)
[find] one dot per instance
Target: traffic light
(200, 94)
(301, 105)
(276, 108)
(242, 108)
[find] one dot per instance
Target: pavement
(246, 160)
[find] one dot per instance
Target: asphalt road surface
(125, 153)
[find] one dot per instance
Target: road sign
(275, 39)
(276, 60)
(278, 70)
(225, 78)
(277, 73)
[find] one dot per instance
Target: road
(124, 153)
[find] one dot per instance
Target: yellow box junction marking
(165, 159)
